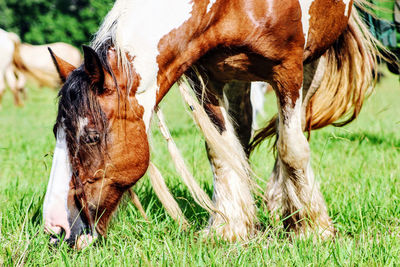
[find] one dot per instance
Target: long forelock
(77, 101)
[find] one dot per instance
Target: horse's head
(102, 147)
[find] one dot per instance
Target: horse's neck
(150, 45)
(138, 34)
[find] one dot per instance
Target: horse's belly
(225, 65)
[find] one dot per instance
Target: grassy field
(357, 166)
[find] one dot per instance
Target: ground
(357, 167)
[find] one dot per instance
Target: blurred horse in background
(257, 99)
(21, 61)
(9, 75)
(35, 62)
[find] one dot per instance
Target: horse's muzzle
(80, 232)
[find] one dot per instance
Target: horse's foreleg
(240, 110)
(2, 87)
(302, 202)
(21, 82)
(232, 195)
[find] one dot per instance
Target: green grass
(357, 167)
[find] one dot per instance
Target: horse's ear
(93, 65)
(62, 66)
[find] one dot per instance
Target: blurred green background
(43, 21)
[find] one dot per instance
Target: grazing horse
(36, 63)
(142, 49)
(8, 74)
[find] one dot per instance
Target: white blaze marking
(82, 122)
(305, 17)
(55, 202)
(139, 34)
(210, 4)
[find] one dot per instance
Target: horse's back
(270, 33)
(319, 22)
(32, 53)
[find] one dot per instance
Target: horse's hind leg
(232, 195)
(302, 203)
(312, 75)
(12, 83)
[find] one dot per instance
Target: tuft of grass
(357, 167)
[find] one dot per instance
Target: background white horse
(8, 74)
(257, 99)
(35, 61)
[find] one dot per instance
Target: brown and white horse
(144, 47)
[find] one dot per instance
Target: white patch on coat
(292, 144)
(55, 206)
(347, 9)
(139, 35)
(294, 120)
(305, 17)
(210, 4)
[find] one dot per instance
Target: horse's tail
(44, 79)
(348, 78)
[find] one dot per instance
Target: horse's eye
(92, 137)
(90, 181)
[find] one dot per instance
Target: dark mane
(72, 97)
(101, 51)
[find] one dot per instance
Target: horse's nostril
(53, 230)
(56, 238)
(96, 137)
(92, 137)
(54, 241)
